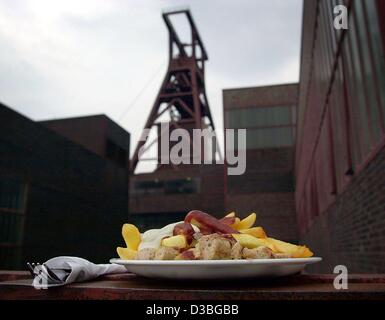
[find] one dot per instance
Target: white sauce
(152, 238)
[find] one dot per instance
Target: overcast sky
(77, 57)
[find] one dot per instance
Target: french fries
(178, 241)
(277, 246)
(126, 253)
(257, 232)
(131, 236)
(251, 242)
(253, 237)
(245, 223)
(290, 249)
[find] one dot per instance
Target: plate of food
(203, 247)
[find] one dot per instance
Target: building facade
(56, 196)
(340, 155)
(168, 194)
(97, 133)
(267, 187)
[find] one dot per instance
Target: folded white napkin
(72, 269)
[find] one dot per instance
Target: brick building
(97, 133)
(340, 155)
(167, 195)
(267, 187)
(58, 197)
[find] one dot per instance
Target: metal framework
(182, 93)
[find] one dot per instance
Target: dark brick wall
(267, 170)
(275, 212)
(352, 231)
(267, 188)
(77, 201)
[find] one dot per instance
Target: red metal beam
(184, 93)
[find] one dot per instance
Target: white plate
(215, 269)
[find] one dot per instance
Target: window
(156, 187)
(267, 127)
(378, 51)
(364, 69)
(180, 186)
(368, 73)
(358, 103)
(256, 117)
(149, 187)
(349, 83)
(269, 138)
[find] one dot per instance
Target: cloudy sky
(62, 58)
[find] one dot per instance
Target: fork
(36, 271)
(42, 269)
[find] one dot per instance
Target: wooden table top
(17, 285)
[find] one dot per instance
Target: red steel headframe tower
(182, 93)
